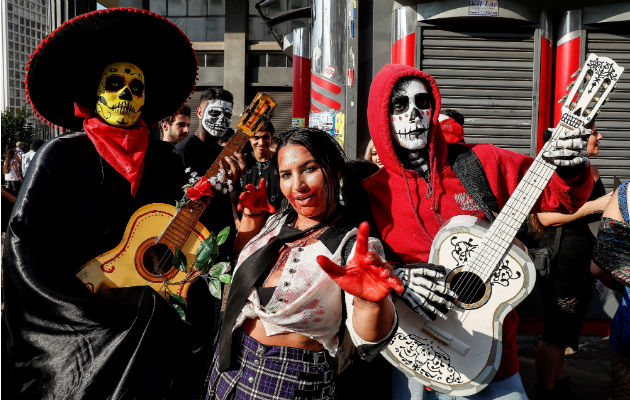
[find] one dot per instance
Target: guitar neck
(184, 221)
(503, 230)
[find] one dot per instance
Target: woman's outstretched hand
(366, 276)
(255, 198)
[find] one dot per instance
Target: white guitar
(488, 269)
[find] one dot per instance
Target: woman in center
(284, 311)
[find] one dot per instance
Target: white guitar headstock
(598, 77)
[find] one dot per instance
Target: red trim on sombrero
(122, 148)
(43, 43)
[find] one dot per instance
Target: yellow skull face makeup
(120, 94)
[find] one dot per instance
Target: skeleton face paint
(216, 117)
(410, 114)
(120, 94)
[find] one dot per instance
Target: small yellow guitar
(145, 253)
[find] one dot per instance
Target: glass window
(130, 3)
(158, 6)
(180, 22)
(196, 29)
(197, 7)
(276, 60)
(214, 60)
(257, 30)
(215, 28)
(177, 7)
(216, 7)
(255, 60)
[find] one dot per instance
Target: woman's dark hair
(328, 154)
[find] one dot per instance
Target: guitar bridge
(445, 339)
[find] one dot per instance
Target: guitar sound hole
(468, 286)
(158, 259)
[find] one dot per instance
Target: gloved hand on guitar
(425, 291)
(366, 275)
(568, 152)
(254, 199)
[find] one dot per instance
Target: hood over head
(378, 116)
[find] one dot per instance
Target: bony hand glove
(568, 151)
(366, 275)
(425, 291)
(255, 198)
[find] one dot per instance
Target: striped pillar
(328, 56)
(404, 36)
(568, 58)
(301, 77)
(545, 78)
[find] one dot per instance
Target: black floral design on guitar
(425, 356)
(502, 274)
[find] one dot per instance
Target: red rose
(201, 188)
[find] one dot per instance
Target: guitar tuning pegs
(586, 112)
(576, 73)
(562, 99)
(570, 86)
(596, 99)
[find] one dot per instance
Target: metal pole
(301, 76)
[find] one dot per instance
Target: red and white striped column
(404, 36)
(545, 79)
(568, 57)
(301, 77)
(328, 56)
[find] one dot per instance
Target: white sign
(483, 7)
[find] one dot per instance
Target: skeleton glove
(568, 152)
(424, 290)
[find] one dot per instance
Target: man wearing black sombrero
(100, 76)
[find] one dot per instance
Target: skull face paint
(410, 114)
(120, 94)
(216, 117)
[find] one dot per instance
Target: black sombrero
(67, 66)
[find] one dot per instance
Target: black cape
(59, 340)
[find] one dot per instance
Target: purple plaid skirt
(272, 372)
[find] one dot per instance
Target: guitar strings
(466, 282)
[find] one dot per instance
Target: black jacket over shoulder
(59, 340)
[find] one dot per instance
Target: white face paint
(410, 114)
(216, 117)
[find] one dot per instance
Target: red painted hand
(366, 276)
(255, 198)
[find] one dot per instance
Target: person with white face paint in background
(199, 151)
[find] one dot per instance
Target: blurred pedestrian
(568, 288)
(12, 170)
(611, 265)
(371, 155)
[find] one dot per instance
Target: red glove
(366, 276)
(255, 198)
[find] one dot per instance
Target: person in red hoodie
(417, 191)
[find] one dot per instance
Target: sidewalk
(588, 368)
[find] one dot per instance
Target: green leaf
(226, 278)
(203, 265)
(215, 288)
(206, 252)
(186, 186)
(179, 305)
(179, 260)
(223, 235)
(219, 269)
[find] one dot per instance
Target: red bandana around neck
(122, 148)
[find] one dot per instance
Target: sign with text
(483, 7)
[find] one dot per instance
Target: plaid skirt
(272, 373)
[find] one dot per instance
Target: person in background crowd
(286, 305)
(28, 157)
(61, 340)
(452, 124)
(261, 163)
(19, 149)
(611, 265)
(175, 127)
(568, 288)
(12, 169)
(371, 155)
(417, 191)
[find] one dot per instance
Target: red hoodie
(408, 212)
